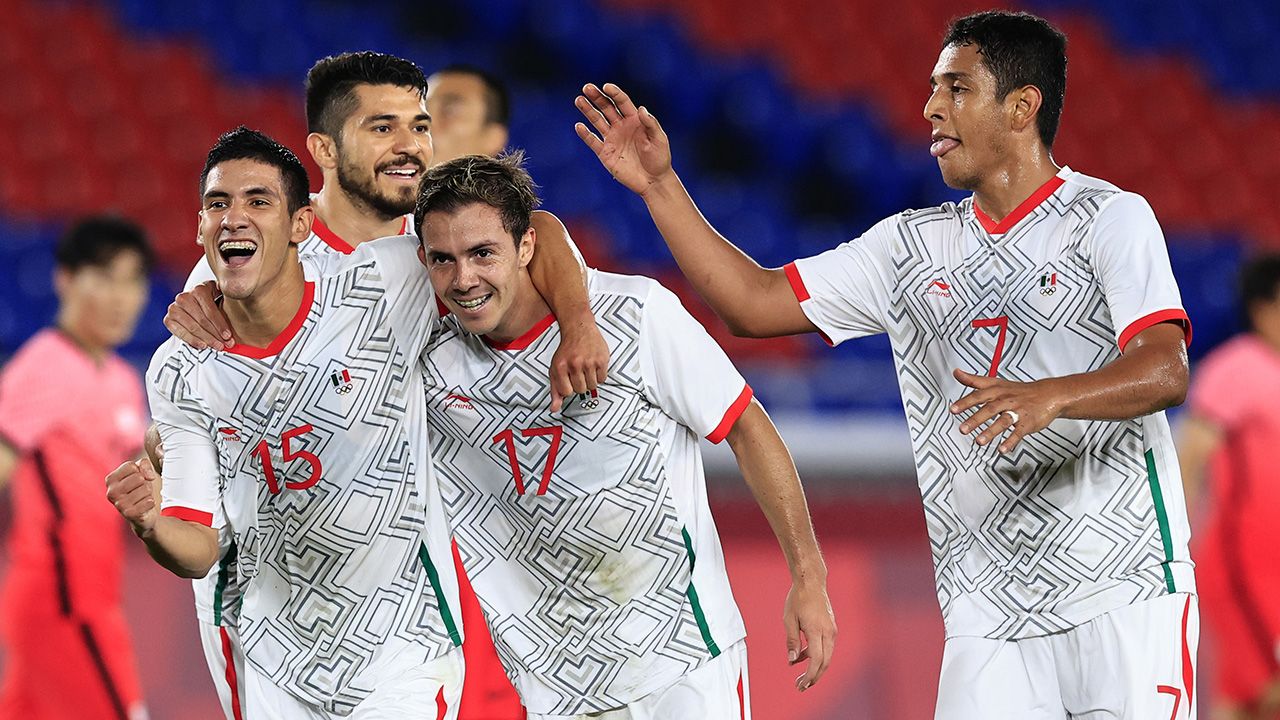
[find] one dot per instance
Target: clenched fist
(132, 489)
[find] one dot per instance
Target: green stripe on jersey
(692, 594)
(434, 577)
(1162, 517)
(224, 576)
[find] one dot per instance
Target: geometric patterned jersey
(1083, 517)
(218, 590)
(579, 530)
(313, 452)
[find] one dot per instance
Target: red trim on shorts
(526, 339)
(231, 673)
(1188, 667)
(276, 345)
(1177, 315)
(188, 514)
(331, 238)
(731, 415)
(742, 700)
(442, 707)
(1023, 210)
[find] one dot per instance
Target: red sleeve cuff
(731, 415)
(188, 514)
(1177, 315)
(802, 293)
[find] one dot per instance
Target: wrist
(809, 574)
(664, 187)
(1060, 399)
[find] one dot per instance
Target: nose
(413, 143)
(464, 276)
(933, 107)
(236, 216)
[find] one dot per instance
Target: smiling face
(384, 148)
(971, 127)
(477, 269)
(246, 228)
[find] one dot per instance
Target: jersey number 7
(508, 437)
(263, 451)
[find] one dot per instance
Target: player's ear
(527, 241)
(1023, 104)
(495, 138)
(422, 254)
(62, 279)
(323, 149)
(302, 220)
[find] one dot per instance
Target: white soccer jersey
(314, 453)
(1083, 517)
(580, 530)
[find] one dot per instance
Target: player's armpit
(195, 318)
(581, 361)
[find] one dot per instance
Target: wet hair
(1259, 283)
(332, 81)
(1019, 49)
(500, 182)
(246, 144)
(497, 99)
(97, 240)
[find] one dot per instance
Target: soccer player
(371, 135)
(586, 533)
(1231, 433)
(305, 441)
(70, 410)
(1039, 315)
(470, 112)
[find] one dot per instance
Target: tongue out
(236, 261)
(943, 146)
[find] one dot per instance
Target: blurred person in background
(1039, 315)
(1229, 445)
(71, 410)
(470, 112)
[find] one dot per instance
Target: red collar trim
(404, 225)
(526, 339)
(276, 345)
(331, 238)
(1023, 210)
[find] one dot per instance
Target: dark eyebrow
(952, 76)
(392, 117)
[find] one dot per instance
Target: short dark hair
(97, 240)
(243, 143)
(1259, 283)
(497, 99)
(1019, 49)
(332, 81)
(500, 182)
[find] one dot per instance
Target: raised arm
(187, 549)
(752, 300)
(771, 475)
(582, 360)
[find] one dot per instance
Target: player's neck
(73, 332)
(349, 220)
(260, 318)
(527, 311)
(1003, 190)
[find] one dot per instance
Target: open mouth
(474, 303)
(942, 145)
(236, 253)
(403, 173)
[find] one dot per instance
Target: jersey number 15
(263, 451)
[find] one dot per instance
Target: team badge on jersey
(1045, 296)
(1049, 284)
(341, 380)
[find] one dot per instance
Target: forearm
(558, 272)
(1140, 382)
(727, 278)
(181, 547)
(770, 474)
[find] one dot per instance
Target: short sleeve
(1220, 391)
(200, 274)
(30, 405)
(191, 489)
(1132, 263)
(685, 372)
(845, 291)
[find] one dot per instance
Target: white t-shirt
(1083, 517)
(313, 453)
(579, 530)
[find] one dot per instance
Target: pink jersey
(72, 420)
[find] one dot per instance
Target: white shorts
(718, 690)
(225, 657)
(1135, 663)
(428, 691)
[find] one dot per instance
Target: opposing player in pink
(1229, 444)
(70, 411)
